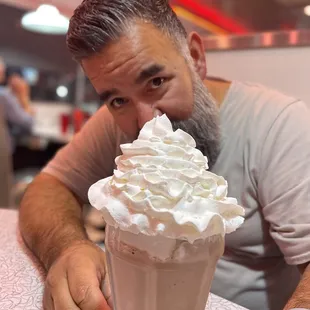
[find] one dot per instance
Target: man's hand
(75, 279)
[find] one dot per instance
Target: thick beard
(203, 125)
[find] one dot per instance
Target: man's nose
(145, 113)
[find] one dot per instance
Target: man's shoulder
(260, 94)
(251, 110)
(258, 101)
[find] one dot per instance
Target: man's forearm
(50, 219)
(301, 296)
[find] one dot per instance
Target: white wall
(285, 69)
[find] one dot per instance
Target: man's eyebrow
(105, 95)
(149, 72)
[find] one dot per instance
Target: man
(5, 164)
(141, 62)
(12, 113)
(15, 102)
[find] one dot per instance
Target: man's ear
(198, 55)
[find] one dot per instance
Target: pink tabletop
(21, 277)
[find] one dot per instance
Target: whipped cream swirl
(161, 187)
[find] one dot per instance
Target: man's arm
(51, 225)
(51, 215)
(50, 219)
(301, 296)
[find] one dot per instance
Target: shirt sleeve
(89, 157)
(284, 182)
(15, 114)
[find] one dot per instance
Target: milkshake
(180, 281)
(166, 217)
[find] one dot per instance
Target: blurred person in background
(257, 138)
(5, 164)
(15, 99)
(15, 117)
(20, 88)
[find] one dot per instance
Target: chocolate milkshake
(166, 221)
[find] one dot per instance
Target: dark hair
(96, 23)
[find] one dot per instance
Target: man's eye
(156, 83)
(118, 102)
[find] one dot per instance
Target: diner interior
(260, 41)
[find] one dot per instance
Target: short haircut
(97, 23)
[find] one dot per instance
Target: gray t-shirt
(265, 157)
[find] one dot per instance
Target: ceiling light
(46, 19)
(307, 10)
(62, 91)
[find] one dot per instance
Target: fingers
(94, 218)
(94, 224)
(94, 234)
(73, 282)
(106, 289)
(57, 296)
(48, 303)
(62, 298)
(92, 299)
(84, 287)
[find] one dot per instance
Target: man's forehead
(139, 46)
(110, 59)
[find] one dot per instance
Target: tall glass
(141, 281)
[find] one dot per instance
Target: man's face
(142, 73)
(139, 74)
